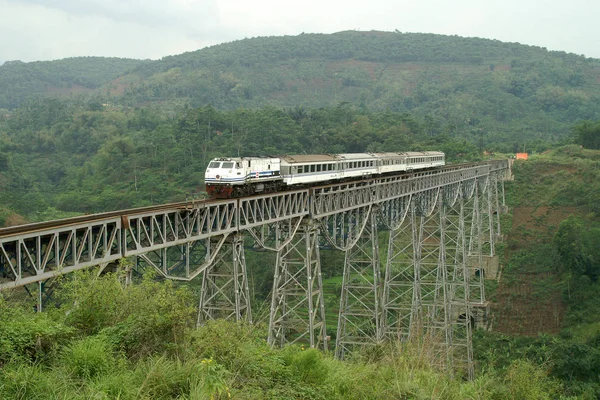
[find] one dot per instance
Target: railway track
(37, 226)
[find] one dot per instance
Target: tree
(578, 247)
(588, 134)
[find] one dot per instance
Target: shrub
(20, 380)
(91, 357)
(27, 335)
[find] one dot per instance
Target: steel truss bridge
(441, 227)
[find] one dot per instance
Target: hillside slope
(20, 81)
(481, 87)
(535, 294)
(489, 91)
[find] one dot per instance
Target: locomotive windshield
(227, 165)
(214, 164)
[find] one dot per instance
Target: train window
(319, 168)
(248, 163)
(300, 169)
(214, 164)
(313, 168)
(238, 165)
(227, 165)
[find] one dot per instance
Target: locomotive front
(234, 177)
(222, 175)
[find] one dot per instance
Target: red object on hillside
(522, 156)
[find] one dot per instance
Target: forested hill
(379, 70)
(472, 85)
(20, 81)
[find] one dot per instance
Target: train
(230, 177)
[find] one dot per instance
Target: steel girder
(401, 279)
(459, 312)
(41, 254)
(359, 320)
(430, 285)
(297, 313)
(225, 293)
(37, 256)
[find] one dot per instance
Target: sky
(34, 30)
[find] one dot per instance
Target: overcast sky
(33, 30)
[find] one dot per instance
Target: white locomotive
(240, 176)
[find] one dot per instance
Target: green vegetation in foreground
(108, 341)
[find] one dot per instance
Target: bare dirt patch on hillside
(538, 223)
(529, 306)
(530, 301)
